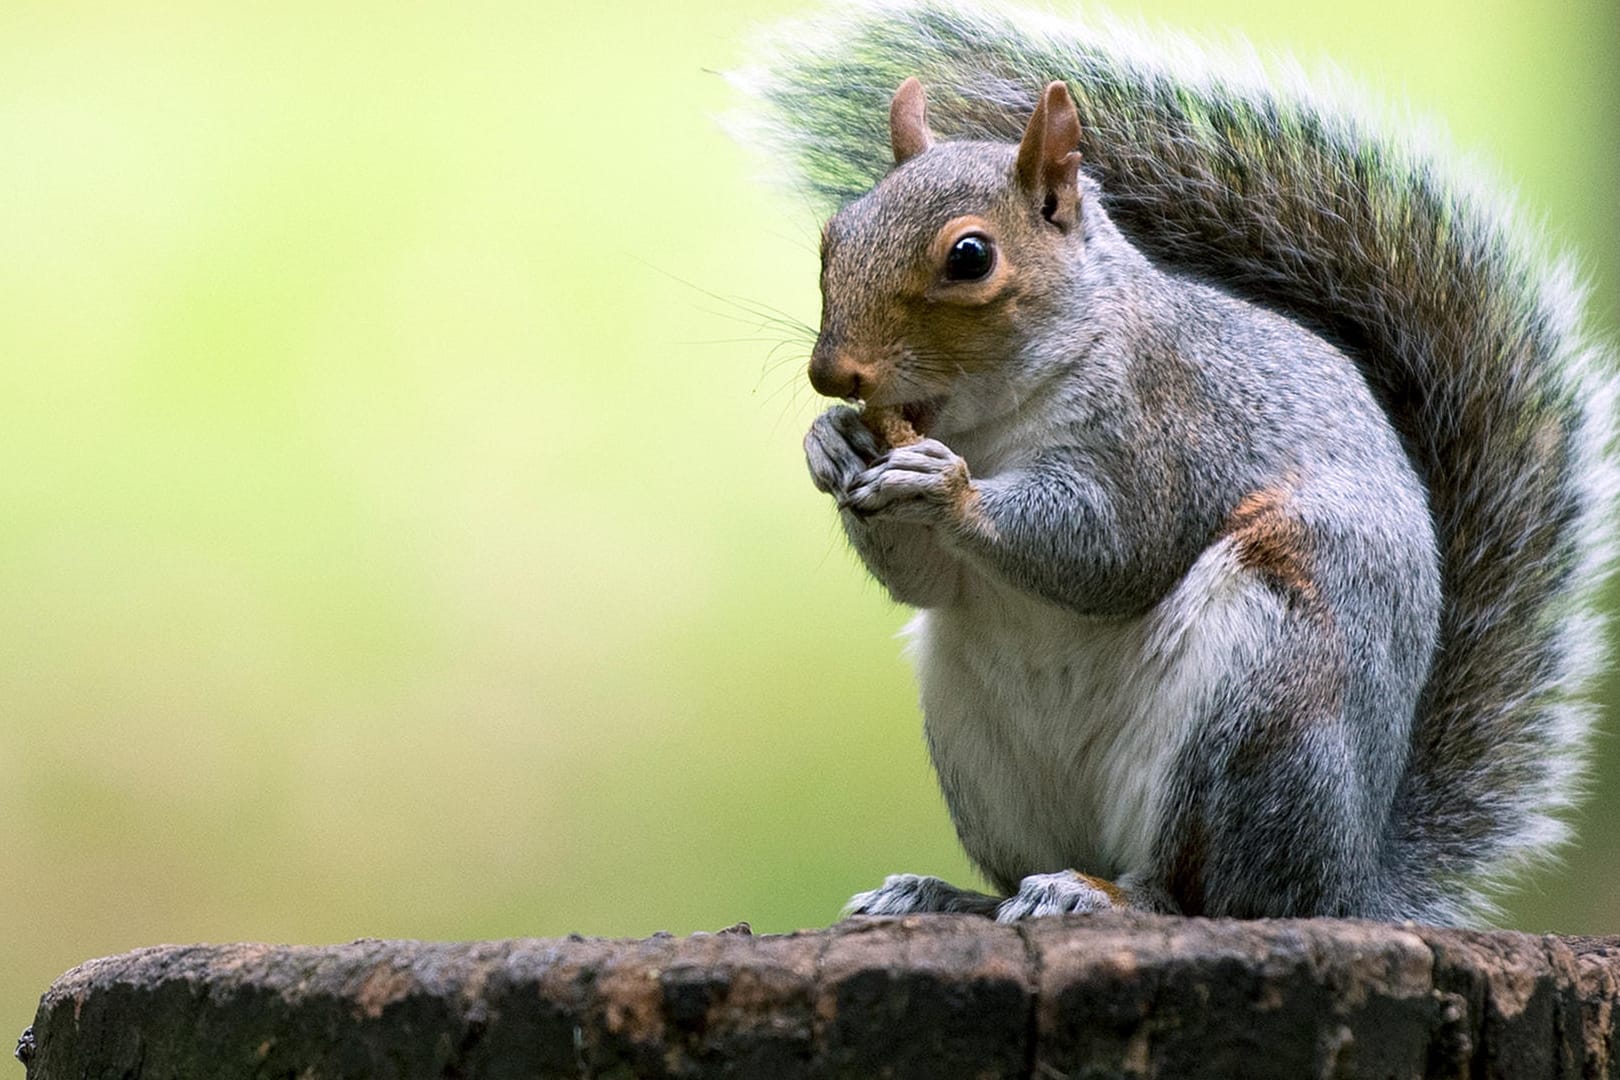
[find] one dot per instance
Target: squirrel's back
(1468, 336)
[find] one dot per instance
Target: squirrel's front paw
(838, 448)
(1062, 893)
(925, 482)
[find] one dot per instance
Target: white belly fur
(1052, 732)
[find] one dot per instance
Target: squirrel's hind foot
(915, 894)
(1067, 892)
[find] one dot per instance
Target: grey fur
(1449, 457)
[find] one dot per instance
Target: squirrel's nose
(837, 371)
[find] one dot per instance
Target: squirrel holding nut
(1251, 480)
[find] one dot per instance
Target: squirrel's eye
(969, 259)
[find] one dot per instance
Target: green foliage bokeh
(404, 530)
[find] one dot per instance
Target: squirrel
(1263, 482)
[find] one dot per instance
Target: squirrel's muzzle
(841, 372)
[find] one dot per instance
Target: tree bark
(936, 997)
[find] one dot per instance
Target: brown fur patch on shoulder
(1272, 542)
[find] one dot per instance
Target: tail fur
(1361, 230)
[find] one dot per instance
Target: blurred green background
(398, 540)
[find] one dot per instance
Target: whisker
(774, 363)
(793, 401)
(760, 322)
(795, 356)
(765, 313)
(733, 341)
(792, 385)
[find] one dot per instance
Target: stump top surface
(936, 996)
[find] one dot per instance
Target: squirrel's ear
(1049, 159)
(908, 121)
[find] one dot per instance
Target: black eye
(970, 258)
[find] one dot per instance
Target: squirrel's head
(944, 269)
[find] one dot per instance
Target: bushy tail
(1467, 333)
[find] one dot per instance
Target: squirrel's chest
(1054, 735)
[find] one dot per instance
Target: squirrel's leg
(915, 894)
(1278, 810)
(904, 555)
(1269, 812)
(1281, 805)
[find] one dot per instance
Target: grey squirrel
(1263, 481)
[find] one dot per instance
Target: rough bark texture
(936, 997)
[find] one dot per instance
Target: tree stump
(934, 997)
